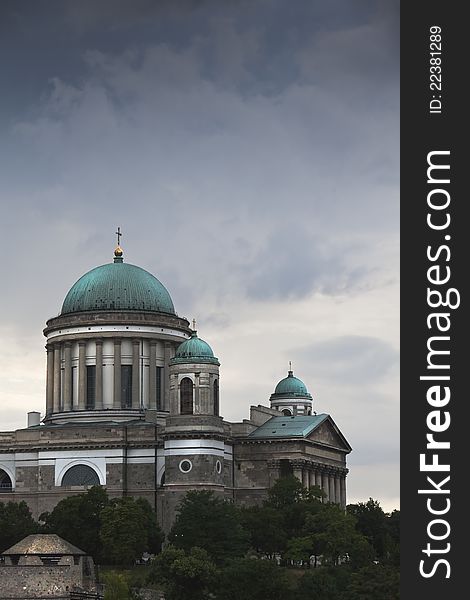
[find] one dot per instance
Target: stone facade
(45, 566)
(132, 404)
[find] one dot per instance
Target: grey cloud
(350, 360)
(293, 263)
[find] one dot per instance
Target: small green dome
(194, 350)
(118, 286)
(291, 386)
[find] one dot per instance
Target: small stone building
(45, 566)
(133, 400)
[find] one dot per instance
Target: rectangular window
(126, 386)
(90, 387)
(158, 386)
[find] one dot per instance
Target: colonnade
(330, 479)
(60, 394)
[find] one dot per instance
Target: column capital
(99, 341)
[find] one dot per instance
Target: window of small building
(186, 396)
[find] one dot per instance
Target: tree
(155, 535)
(210, 523)
(324, 584)
(124, 533)
(372, 523)
(16, 522)
(266, 528)
(116, 587)
(293, 502)
(374, 582)
(334, 536)
(253, 579)
(184, 576)
(78, 520)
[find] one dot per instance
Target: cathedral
(133, 403)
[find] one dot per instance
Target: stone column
(311, 479)
(331, 485)
(153, 375)
(297, 472)
(81, 375)
(337, 489)
(343, 491)
(135, 374)
(68, 377)
(99, 375)
(317, 478)
(305, 477)
(50, 379)
(117, 373)
(324, 486)
(166, 377)
(56, 377)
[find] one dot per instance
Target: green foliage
(286, 492)
(184, 576)
(16, 522)
(128, 529)
(155, 535)
(334, 535)
(382, 530)
(265, 525)
(211, 523)
(252, 579)
(78, 520)
(116, 586)
(324, 584)
(374, 582)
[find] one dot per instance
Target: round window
(218, 466)
(186, 466)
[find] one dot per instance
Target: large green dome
(291, 386)
(194, 350)
(118, 286)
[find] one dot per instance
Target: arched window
(216, 397)
(5, 482)
(80, 475)
(287, 413)
(186, 396)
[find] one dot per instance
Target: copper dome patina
(291, 387)
(118, 286)
(194, 350)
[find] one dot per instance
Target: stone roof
(43, 544)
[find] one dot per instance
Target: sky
(248, 149)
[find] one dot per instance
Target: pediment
(328, 433)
